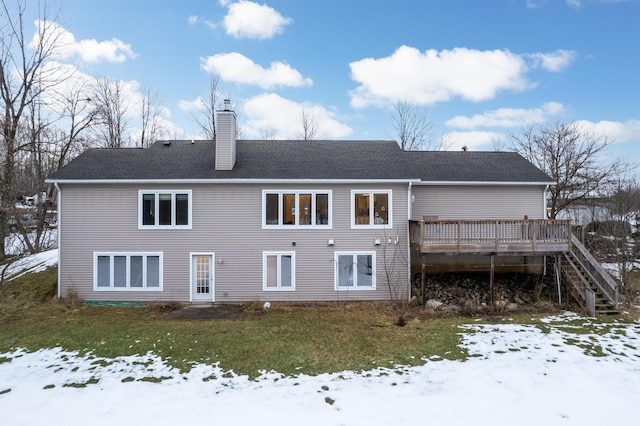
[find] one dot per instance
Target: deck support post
(491, 277)
(422, 279)
(558, 277)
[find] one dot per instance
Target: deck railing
(494, 236)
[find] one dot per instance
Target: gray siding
(478, 202)
(226, 220)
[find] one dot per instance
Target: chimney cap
(227, 105)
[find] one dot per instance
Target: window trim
(297, 192)
(355, 287)
(128, 256)
(279, 255)
(371, 193)
(157, 193)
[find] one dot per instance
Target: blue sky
(481, 69)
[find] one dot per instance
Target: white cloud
(615, 131)
(246, 19)
(281, 118)
(507, 117)
(88, 50)
(191, 106)
(193, 19)
(554, 62)
(240, 69)
(574, 3)
(472, 140)
(436, 76)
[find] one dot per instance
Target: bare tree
(111, 113)
(309, 124)
(571, 156)
(412, 127)
(624, 204)
(150, 113)
(77, 113)
(267, 133)
(25, 74)
(206, 118)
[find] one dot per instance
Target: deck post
(491, 277)
(558, 277)
(422, 278)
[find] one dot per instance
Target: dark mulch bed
(230, 312)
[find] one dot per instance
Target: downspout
(59, 222)
(544, 202)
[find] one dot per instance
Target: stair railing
(598, 276)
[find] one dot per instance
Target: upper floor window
(296, 208)
(371, 209)
(165, 209)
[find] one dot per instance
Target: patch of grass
(27, 291)
(91, 381)
(292, 339)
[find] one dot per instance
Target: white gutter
(59, 224)
(240, 180)
(476, 183)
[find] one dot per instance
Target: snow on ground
(517, 375)
(32, 263)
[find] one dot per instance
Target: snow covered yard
(517, 375)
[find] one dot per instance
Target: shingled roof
(297, 160)
(473, 166)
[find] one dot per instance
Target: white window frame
(371, 224)
(128, 256)
(297, 193)
(157, 193)
(354, 254)
(279, 255)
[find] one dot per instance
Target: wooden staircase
(590, 285)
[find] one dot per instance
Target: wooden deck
(492, 236)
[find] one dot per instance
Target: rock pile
(458, 293)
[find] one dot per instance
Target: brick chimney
(225, 137)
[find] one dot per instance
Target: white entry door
(202, 277)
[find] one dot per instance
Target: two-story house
(239, 220)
